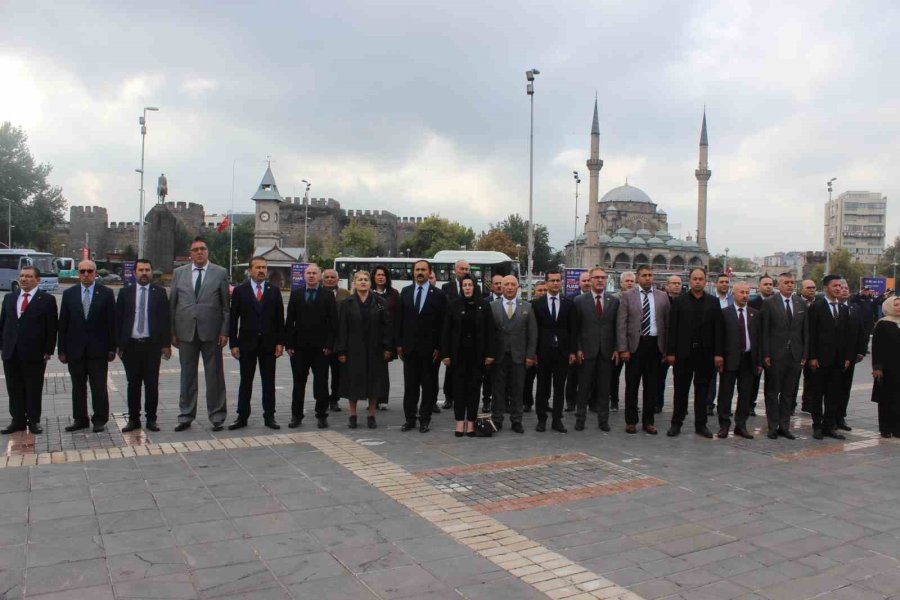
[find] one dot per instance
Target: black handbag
(484, 426)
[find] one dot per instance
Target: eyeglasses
(200, 249)
(85, 271)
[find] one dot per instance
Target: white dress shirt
(196, 274)
(653, 331)
(723, 301)
(22, 299)
(137, 307)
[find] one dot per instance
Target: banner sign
(128, 272)
(297, 272)
(876, 284)
(571, 288)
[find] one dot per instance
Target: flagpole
(231, 226)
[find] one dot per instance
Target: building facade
(856, 221)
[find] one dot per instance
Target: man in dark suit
(857, 336)
(584, 287)
(808, 296)
(531, 373)
(784, 330)
(87, 343)
(451, 290)
(28, 324)
(309, 338)
(627, 281)
(673, 290)
(596, 314)
(741, 354)
(420, 320)
(144, 330)
(829, 354)
(555, 316)
(495, 293)
(256, 337)
(694, 351)
(641, 329)
(330, 282)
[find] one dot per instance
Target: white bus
(11, 261)
(483, 265)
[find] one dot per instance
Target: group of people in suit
(495, 343)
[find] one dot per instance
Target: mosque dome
(637, 241)
(663, 235)
(604, 239)
(618, 240)
(644, 233)
(624, 232)
(626, 193)
(673, 243)
(655, 241)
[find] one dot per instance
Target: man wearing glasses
(87, 343)
(200, 314)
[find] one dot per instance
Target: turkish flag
(222, 226)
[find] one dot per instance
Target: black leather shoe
(182, 426)
(271, 424)
(842, 425)
(526, 408)
(558, 427)
(447, 405)
(424, 428)
(295, 422)
(218, 426)
(13, 428)
(370, 423)
(435, 410)
(886, 434)
(738, 431)
(351, 422)
(77, 426)
(238, 424)
(36, 429)
(152, 426)
(723, 433)
(786, 434)
(334, 407)
(99, 428)
(131, 426)
(408, 426)
(579, 425)
(704, 432)
(772, 435)
(603, 426)
(570, 408)
(834, 434)
(817, 433)
(541, 426)
(674, 431)
(517, 427)
(614, 406)
(322, 423)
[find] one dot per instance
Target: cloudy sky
(420, 108)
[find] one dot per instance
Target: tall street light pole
(828, 233)
(725, 266)
(231, 225)
(529, 89)
(306, 219)
(575, 261)
(143, 123)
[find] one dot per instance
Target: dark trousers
(93, 371)
(486, 385)
(614, 383)
(551, 371)
(698, 368)
(643, 367)
(781, 392)
(845, 391)
(572, 386)
(304, 359)
(509, 377)
(467, 374)
(743, 377)
(141, 361)
(711, 394)
(661, 388)
(266, 361)
(334, 367)
(755, 393)
(593, 388)
(24, 384)
(825, 401)
(528, 389)
(419, 381)
(449, 382)
(889, 417)
(808, 385)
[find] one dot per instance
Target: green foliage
(737, 263)
(219, 244)
(322, 252)
(434, 234)
(516, 228)
(36, 205)
(358, 239)
(842, 263)
(497, 241)
(890, 256)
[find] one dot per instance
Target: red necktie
(598, 307)
(259, 293)
(24, 302)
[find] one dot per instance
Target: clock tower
(266, 232)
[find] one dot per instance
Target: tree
(497, 241)
(322, 252)
(219, 244)
(737, 263)
(890, 256)
(516, 228)
(37, 207)
(843, 264)
(358, 239)
(434, 234)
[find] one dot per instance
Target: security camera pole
(529, 89)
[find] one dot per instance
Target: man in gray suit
(515, 349)
(641, 328)
(595, 342)
(200, 314)
(784, 331)
(741, 365)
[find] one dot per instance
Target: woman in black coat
(381, 280)
(466, 344)
(886, 368)
(364, 347)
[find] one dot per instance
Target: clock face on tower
(264, 216)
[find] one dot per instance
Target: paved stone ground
(373, 514)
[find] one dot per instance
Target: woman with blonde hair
(364, 347)
(886, 368)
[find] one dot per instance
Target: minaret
(266, 233)
(703, 174)
(591, 251)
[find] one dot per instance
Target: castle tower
(591, 251)
(703, 174)
(268, 201)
